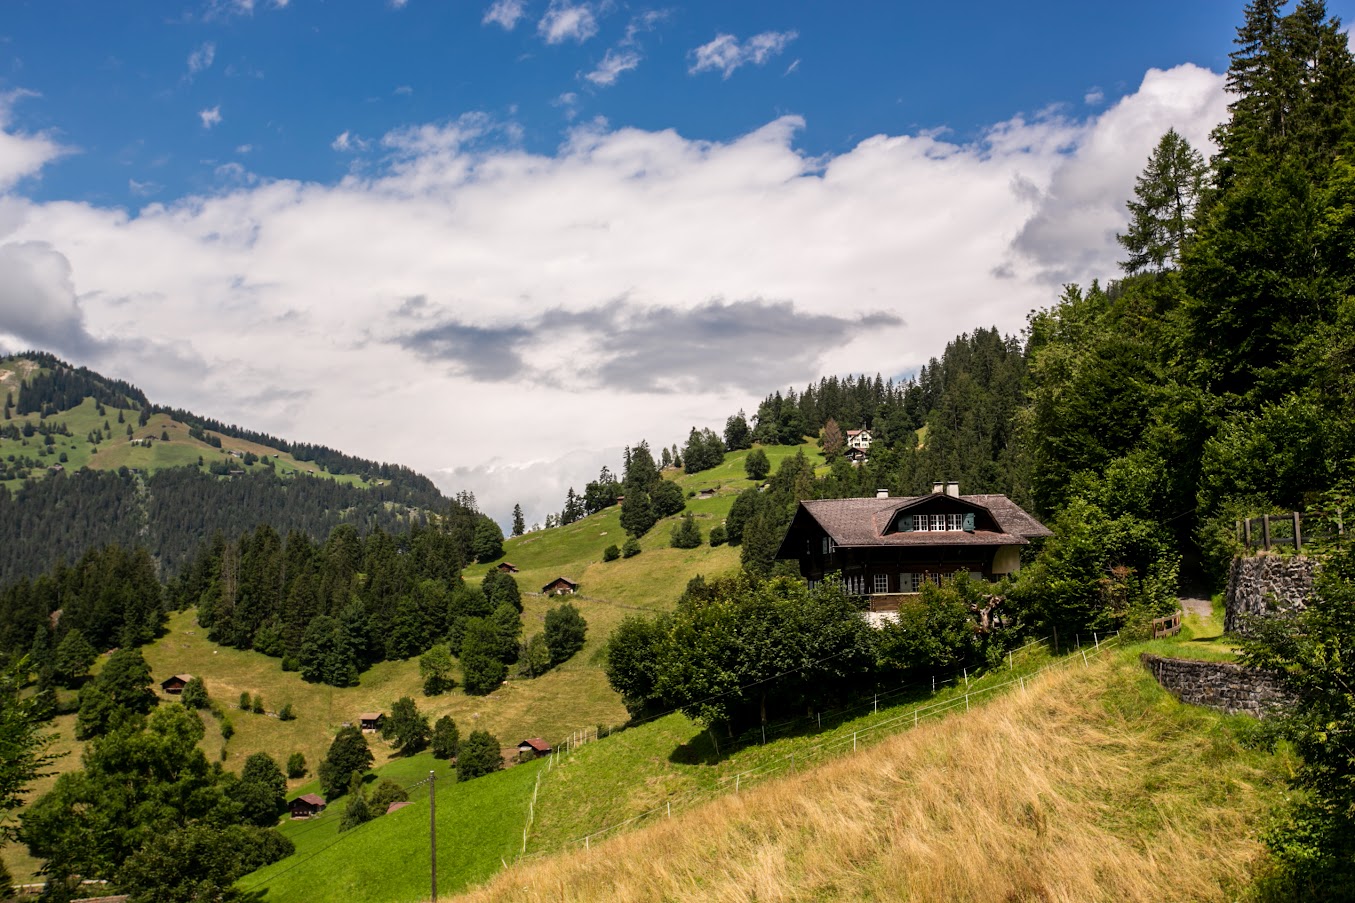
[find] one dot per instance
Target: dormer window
(936, 523)
(828, 545)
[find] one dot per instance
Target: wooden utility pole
(433, 833)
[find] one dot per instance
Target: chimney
(882, 493)
(953, 489)
(938, 487)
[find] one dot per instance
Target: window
(881, 583)
(828, 545)
(936, 523)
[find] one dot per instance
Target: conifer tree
(519, 526)
(1162, 212)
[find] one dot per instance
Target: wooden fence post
(1246, 533)
(1298, 535)
(1265, 531)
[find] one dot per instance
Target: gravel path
(1201, 607)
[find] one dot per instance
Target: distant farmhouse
(887, 548)
(859, 439)
(174, 685)
(306, 806)
(560, 586)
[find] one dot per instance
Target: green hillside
(123, 441)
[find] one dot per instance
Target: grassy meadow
(1091, 784)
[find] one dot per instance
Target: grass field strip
(856, 738)
(318, 823)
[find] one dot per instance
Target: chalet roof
(183, 677)
(398, 804)
(535, 743)
(558, 580)
(370, 716)
(311, 798)
(862, 522)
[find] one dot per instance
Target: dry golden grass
(1093, 785)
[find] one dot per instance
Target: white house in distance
(859, 439)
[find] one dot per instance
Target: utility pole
(433, 832)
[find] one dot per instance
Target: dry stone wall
(1267, 584)
(1219, 685)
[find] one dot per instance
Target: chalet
(532, 748)
(859, 439)
(706, 494)
(856, 455)
(306, 805)
(370, 721)
(560, 586)
(507, 567)
(174, 685)
(887, 548)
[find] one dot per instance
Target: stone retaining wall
(1267, 584)
(1219, 685)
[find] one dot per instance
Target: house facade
(888, 548)
(860, 439)
(560, 586)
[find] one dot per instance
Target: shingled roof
(862, 522)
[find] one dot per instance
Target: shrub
(479, 755)
(685, 533)
(631, 548)
(286, 713)
(565, 632)
(717, 535)
(194, 695)
(611, 553)
(446, 738)
(296, 765)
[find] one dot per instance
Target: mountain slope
(85, 461)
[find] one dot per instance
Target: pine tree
(1163, 211)
(685, 533)
(356, 812)
(519, 526)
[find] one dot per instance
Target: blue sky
(498, 240)
(126, 83)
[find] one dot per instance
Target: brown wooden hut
(174, 685)
(531, 748)
(371, 721)
(560, 586)
(306, 805)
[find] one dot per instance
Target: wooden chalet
(856, 455)
(533, 747)
(174, 685)
(306, 805)
(371, 721)
(560, 586)
(507, 567)
(887, 548)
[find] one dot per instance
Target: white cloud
(244, 149)
(613, 64)
(22, 154)
(398, 4)
(725, 53)
(346, 141)
(144, 189)
(504, 13)
(465, 287)
(210, 117)
(201, 58)
(1082, 208)
(565, 21)
(1094, 98)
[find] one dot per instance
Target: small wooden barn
(560, 586)
(533, 747)
(507, 567)
(174, 685)
(306, 805)
(371, 721)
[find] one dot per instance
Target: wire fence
(838, 745)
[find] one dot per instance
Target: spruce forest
(1140, 418)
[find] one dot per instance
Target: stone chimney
(938, 487)
(953, 489)
(882, 493)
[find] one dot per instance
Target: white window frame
(881, 583)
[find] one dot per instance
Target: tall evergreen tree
(1164, 206)
(519, 526)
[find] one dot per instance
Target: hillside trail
(1200, 607)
